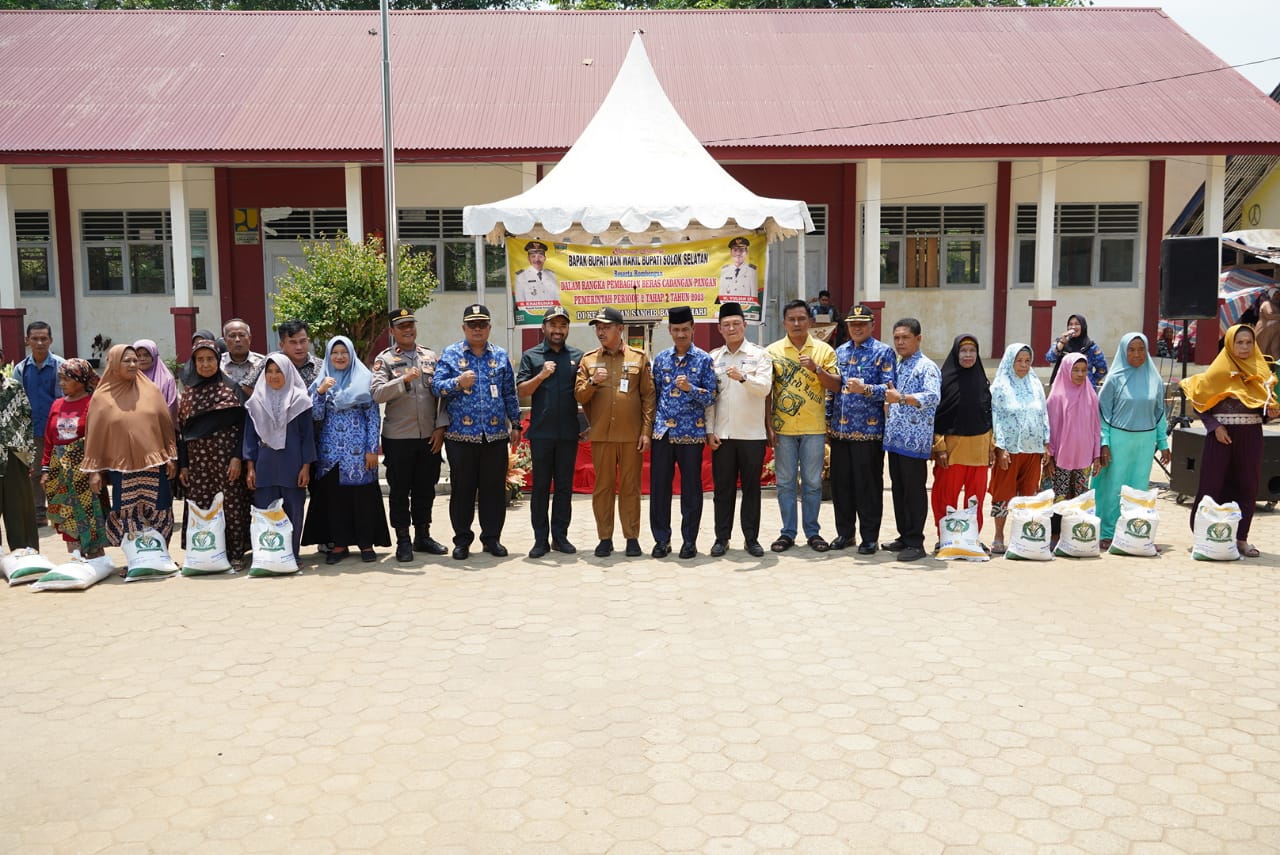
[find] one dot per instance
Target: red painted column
(1207, 333)
(1155, 236)
(1000, 292)
(225, 219)
(1041, 328)
(848, 239)
(184, 326)
(12, 334)
(877, 310)
(68, 343)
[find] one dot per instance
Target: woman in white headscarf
(279, 441)
(1020, 427)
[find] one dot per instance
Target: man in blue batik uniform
(475, 380)
(908, 436)
(855, 427)
(684, 379)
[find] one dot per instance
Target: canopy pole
(389, 165)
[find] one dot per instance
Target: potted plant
(101, 344)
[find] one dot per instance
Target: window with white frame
(438, 232)
(1095, 244)
(131, 252)
(932, 246)
(307, 224)
(35, 252)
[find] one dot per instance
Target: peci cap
(476, 312)
(739, 242)
(679, 315)
(860, 314)
(535, 246)
(731, 310)
(399, 315)
(555, 312)
(607, 315)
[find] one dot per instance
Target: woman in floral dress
(75, 510)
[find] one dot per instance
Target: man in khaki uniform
(615, 387)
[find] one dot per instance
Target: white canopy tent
(637, 171)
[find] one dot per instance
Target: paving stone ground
(799, 703)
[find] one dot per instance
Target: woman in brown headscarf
(130, 444)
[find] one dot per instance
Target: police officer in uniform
(739, 281)
(533, 284)
(413, 428)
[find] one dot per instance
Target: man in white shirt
(738, 428)
(536, 289)
(739, 280)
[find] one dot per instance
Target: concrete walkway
(796, 704)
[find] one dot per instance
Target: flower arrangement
(519, 464)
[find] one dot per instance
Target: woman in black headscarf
(1076, 340)
(962, 448)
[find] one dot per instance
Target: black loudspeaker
(1189, 268)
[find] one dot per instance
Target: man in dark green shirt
(547, 373)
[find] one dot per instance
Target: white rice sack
(1029, 521)
(76, 575)
(1215, 531)
(206, 539)
(958, 535)
(1136, 527)
(272, 537)
(24, 565)
(147, 556)
(1080, 524)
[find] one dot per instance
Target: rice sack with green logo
(206, 539)
(1137, 525)
(147, 555)
(1030, 518)
(958, 535)
(76, 575)
(24, 565)
(1080, 524)
(1215, 531)
(271, 534)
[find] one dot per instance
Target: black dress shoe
(754, 549)
(335, 556)
(660, 550)
(604, 549)
(718, 548)
(894, 545)
(404, 551)
(368, 556)
(562, 545)
(817, 544)
(841, 543)
(461, 553)
(426, 543)
(911, 553)
(866, 549)
(633, 548)
(539, 550)
(494, 548)
(688, 550)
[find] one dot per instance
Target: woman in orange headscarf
(1231, 397)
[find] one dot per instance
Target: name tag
(624, 386)
(493, 390)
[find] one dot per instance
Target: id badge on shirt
(493, 390)
(624, 385)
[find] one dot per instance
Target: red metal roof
(892, 82)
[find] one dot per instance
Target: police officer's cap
(535, 246)
(607, 315)
(556, 312)
(739, 242)
(475, 312)
(731, 310)
(400, 315)
(860, 314)
(680, 315)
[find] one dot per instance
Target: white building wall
(126, 318)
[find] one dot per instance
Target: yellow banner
(640, 281)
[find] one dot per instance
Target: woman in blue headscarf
(1020, 430)
(1133, 428)
(346, 508)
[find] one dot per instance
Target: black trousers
(857, 488)
(737, 460)
(478, 478)
(412, 473)
(910, 498)
(553, 463)
(664, 457)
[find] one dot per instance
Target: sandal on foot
(998, 547)
(782, 544)
(1247, 550)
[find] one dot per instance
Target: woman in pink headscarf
(1075, 431)
(153, 368)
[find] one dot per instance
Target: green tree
(342, 290)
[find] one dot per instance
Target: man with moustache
(547, 375)
(739, 429)
(614, 384)
(239, 362)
